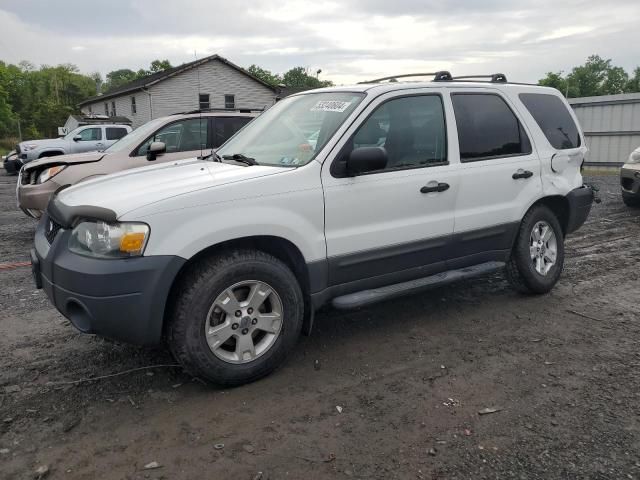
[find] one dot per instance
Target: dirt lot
(409, 376)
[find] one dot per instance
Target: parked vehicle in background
(87, 138)
(11, 163)
(630, 179)
(406, 185)
(165, 139)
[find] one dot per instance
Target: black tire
(197, 291)
(631, 200)
(520, 270)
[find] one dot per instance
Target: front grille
(26, 177)
(51, 229)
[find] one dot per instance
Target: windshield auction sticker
(330, 106)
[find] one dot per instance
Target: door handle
(522, 174)
(440, 187)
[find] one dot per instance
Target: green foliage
(39, 99)
(120, 77)
(296, 77)
(596, 77)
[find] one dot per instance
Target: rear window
(487, 128)
(553, 118)
(116, 133)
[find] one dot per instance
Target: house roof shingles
(157, 77)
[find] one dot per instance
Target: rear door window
(114, 133)
(553, 118)
(487, 128)
(225, 127)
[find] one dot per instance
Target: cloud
(351, 40)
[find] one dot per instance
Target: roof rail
(441, 75)
(209, 110)
(494, 78)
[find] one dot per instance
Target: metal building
(611, 124)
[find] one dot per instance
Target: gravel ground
(409, 376)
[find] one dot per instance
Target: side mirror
(77, 138)
(366, 159)
(155, 149)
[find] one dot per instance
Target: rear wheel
(537, 257)
(236, 317)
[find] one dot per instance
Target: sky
(350, 40)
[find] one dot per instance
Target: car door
(499, 175)
(89, 140)
(184, 138)
(392, 224)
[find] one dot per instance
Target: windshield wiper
(213, 156)
(238, 157)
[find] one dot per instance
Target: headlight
(50, 173)
(109, 240)
(27, 147)
(635, 156)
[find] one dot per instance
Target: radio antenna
(199, 107)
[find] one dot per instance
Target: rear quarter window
(553, 118)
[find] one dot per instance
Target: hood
(45, 142)
(131, 189)
(66, 159)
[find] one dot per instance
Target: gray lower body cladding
(119, 299)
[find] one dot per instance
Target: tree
(118, 78)
(265, 75)
(299, 77)
(160, 65)
(596, 77)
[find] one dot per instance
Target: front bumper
(119, 299)
(35, 197)
(630, 179)
(580, 201)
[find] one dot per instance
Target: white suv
(347, 195)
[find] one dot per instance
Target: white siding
(180, 93)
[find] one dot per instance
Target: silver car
(87, 138)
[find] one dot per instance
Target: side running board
(366, 297)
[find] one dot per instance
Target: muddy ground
(409, 376)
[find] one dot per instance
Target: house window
(133, 106)
(229, 101)
(113, 109)
(106, 109)
(203, 100)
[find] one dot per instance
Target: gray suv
(86, 138)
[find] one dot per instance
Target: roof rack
(208, 110)
(437, 76)
(493, 78)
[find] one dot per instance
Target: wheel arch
(559, 205)
(281, 248)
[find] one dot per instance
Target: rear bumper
(580, 201)
(630, 179)
(119, 299)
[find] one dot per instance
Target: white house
(209, 83)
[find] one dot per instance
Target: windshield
(137, 136)
(294, 130)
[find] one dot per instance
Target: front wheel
(631, 200)
(537, 257)
(236, 317)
